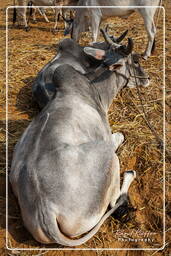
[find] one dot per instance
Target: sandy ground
(28, 52)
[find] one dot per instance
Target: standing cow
(65, 172)
(92, 17)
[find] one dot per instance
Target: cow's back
(129, 6)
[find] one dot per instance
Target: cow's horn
(128, 49)
(120, 38)
(108, 39)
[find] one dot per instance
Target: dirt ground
(28, 52)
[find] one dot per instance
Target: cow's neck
(109, 88)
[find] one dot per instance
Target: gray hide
(65, 171)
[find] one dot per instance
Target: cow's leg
(129, 176)
(151, 39)
(22, 16)
(117, 139)
(57, 11)
(34, 15)
(148, 15)
(45, 17)
(42, 12)
(63, 13)
(95, 31)
(95, 24)
(26, 26)
(116, 181)
(22, 13)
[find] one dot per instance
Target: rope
(158, 139)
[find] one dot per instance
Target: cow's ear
(96, 53)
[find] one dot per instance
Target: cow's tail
(52, 230)
(14, 14)
(153, 46)
(158, 14)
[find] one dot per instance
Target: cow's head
(120, 58)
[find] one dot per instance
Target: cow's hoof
(147, 84)
(130, 172)
(27, 29)
(144, 56)
(54, 31)
(123, 212)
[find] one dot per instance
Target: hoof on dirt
(27, 29)
(123, 213)
(54, 31)
(144, 56)
(34, 21)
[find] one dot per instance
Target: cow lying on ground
(73, 54)
(65, 172)
(85, 17)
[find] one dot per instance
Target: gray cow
(92, 17)
(65, 172)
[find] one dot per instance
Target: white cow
(92, 17)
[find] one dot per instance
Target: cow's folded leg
(116, 181)
(129, 176)
(122, 213)
(117, 139)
